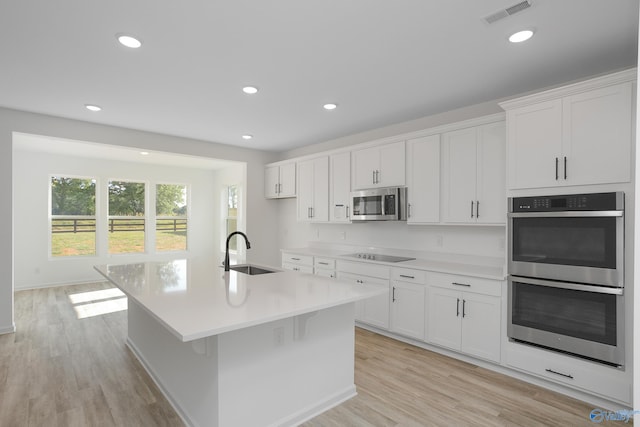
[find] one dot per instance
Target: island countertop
(194, 298)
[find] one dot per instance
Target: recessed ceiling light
(520, 36)
(250, 90)
(92, 107)
(144, 153)
(129, 41)
(247, 136)
(330, 106)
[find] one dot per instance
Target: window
(73, 216)
(126, 217)
(171, 217)
(231, 215)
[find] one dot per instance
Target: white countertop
(195, 298)
(467, 265)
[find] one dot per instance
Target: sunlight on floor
(97, 303)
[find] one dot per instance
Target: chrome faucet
(226, 250)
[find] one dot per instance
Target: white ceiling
(381, 61)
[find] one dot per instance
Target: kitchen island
(231, 349)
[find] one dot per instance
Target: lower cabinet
(325, 267)
(373, 311)
(297, 262)
(465, 321)
(408, 293)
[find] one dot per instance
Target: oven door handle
(567, 285)
(566, 214)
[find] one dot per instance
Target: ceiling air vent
(511, 10)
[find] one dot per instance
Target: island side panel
(287, 371)
(187, 373)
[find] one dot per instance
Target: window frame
(187, 216)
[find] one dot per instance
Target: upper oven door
(582, 247)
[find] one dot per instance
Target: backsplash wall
(456, 239)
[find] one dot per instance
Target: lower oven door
(584, 320)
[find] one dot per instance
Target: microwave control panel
(572, 202)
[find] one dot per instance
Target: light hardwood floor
(61, 370)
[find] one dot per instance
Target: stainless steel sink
(251, 270)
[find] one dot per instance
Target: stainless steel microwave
(379, 204)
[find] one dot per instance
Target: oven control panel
(571, 202)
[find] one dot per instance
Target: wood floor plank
(60, 370)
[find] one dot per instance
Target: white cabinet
(474, 175)
(313, 190)
(578, 139)
(280, 180)
(381, 166)
(340, 187)
(463, 320)
(325, 267)
(373, 311)
(423, 180)
(297, 262)
(408, 293)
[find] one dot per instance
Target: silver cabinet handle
(551, 371)
(296, 259)
(393, 295)
(565, 168)
(377, 177)
(312, 213)
(408, 277)
(457, 307)
(463, 304)
(461, 284)
(276, 188)
(472, 209)
(373, 179)
(556, 168)
(323, 263)
(347, 211)
(408, 210)
(477, 209)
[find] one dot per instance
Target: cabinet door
(305, 190)
(375, 310)
(325, 273)
(271, 181)
(392, 165)
(423, 179)
(534, 133)
(364, 164)
(597, 136)
(445, 316)
(460, 167)
(481, 326)
(287, 180)
(320, 206)
(490, 185)
(340, 187)
(407, 309)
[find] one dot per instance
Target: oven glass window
(584, 242)
(369, 205)
(579, 314)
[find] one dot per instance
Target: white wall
(261, 212)
(32, 265)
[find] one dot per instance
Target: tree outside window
(171, 217)
(126, 217)
(231, 217)
(73, 216)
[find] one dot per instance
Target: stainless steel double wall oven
(566, 274)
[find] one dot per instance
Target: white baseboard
(55, 285)
(8, 329)
(314, 410)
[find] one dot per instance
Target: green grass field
(120, 242)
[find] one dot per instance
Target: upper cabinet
(577, 135)
(280, 180)
(474, 175)
(380, 166)
(340, 187)
(313, 190)
(423, 180)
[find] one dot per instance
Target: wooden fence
(87, 224)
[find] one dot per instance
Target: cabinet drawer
(299, 268)
(602, 380)
(325, 273)
(364, 269)
(409, 275)
(297, 259)
(324, 263)
(466, 283)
